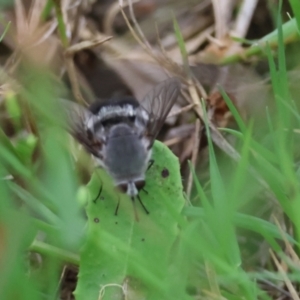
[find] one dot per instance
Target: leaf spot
(165, 173)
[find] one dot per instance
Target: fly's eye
(94, 142)
(89, 134)
(123, 187)
(140, 184)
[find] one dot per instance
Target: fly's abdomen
(125, 154)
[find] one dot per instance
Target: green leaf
(245, 221)
(121, 252)
(25, 147)
(295, 4)
(238, 118)
(12, 106)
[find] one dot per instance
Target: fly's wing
(158, 103)
(79, 122)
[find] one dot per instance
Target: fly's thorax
(94, 129)
(125, 153)
(141, 119)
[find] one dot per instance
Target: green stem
(295, 4)
(46, 11)
(290, 34)
(53, 251)
(5, 31)
(61, 24)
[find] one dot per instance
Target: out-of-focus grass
(38, 195)
(275, 170)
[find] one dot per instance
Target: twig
(122, 287)
(214, 292)
(182, 110)
(77, 17)
(289, 248)
(242, 23)
(61, 278)
(73, 79)
(109, 18)
(222, 13)
(138, 28)
(194, 156)
(287, 281)
(215, 41)
(173, 141)
(161, 60)
(136, 37)
(21, 24)
(111, 14)
(167, 62)
(86, 45)
(69, 55)
(276, 287)
(244, 18)
(195, 97)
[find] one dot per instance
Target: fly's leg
(98, 195)
(144, 207)
(151, 162)
(145, 191)
(117, 207)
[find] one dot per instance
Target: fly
(120, 133)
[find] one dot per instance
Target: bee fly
(120, 133)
